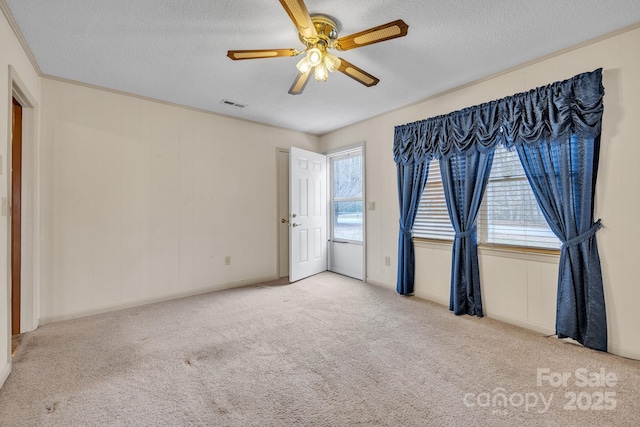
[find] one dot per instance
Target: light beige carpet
(326, 351)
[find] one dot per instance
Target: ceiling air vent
(232, 104)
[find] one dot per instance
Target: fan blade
(299, 83)
(263, 53)
(357, 73)
(300, 16)
(377, 34)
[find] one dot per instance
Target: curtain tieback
(467, 233)
(405, 231)
(584, 236)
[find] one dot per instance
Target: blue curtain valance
(572, 106)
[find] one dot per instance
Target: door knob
(296, 225)
(284, 221)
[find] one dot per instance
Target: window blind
(509, 214)
(432, 220)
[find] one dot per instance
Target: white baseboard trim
(178, 295)
(379, 284)
(523, 324)
(506, 319)
(613, 349)
(4, 374)
(433, 298)
(625, 352)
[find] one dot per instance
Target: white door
(308, 213)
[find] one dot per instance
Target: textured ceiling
(175, 50)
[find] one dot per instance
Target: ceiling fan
(319, 33)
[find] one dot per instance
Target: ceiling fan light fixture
(321, 72)
(331, 61)
(319, 33)
(304, 66)
(314, 56)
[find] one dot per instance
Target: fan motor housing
(326, 27)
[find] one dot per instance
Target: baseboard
(376, 283)
(178, 295)
(506, 319)
(433, 298)
(625, 352)
(523, 324)
(613, 349)
(4, 374)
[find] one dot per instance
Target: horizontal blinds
(509, 214)
(432, 220)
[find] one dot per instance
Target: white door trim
(282, 194)
(30, 277)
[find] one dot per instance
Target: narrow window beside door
(346, 200)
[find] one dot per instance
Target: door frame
(14, 208)
(281, 192)
(30, 215)
(361, 145)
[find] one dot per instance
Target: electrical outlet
(371, 206)
(387, 261)
(227, 260)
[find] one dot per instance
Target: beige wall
(14, 65)
(519, 288)
(142, 201)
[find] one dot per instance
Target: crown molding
(16, 30)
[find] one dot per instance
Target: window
(432, 220)
(509, 214)
(346, 202)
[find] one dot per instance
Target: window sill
(505, 251)
(520, 252)
(422, 242)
